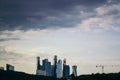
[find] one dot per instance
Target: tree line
(14, 75)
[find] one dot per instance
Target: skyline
(86, 33)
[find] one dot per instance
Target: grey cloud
(9, 35)
(33, 14)
(8, 55)
(8, 39)
(106, 18)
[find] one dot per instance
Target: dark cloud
(42, 14)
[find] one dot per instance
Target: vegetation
(13, 75)
(110, 76)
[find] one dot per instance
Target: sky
(85, 32)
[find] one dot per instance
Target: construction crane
(103, 66)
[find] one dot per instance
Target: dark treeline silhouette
(14, 75)
(109, 76)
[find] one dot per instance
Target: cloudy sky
(85, 32)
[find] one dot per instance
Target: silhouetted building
(52, 70)
(44, 63)
(41, 72)
(74, 70)
(38, 71)
(44, 69)
(9, 67)
(64, 62)
(38, 63)
(1, 68)
(47, 67)
(66, 69)
(59, 69)
(55, 66)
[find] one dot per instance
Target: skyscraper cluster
(56, 70)
(45, 68)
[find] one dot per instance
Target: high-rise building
(45, 68)
(74, 70)
(55, 65)
(59, 69)
(38, 71)
(64, 62)
(52, 70)
(38, 63)
(66, 69)
(48, 68)
(44, 63)
(9, 67)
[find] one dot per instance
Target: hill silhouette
(14, 75)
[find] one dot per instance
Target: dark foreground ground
(13, 75)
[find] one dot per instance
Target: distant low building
(9, 67)
(41, 72)
(1, 68)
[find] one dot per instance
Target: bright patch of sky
(85, 49)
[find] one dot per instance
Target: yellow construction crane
(103, 66)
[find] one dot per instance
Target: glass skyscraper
(48, 68)
(55, 66)
(66, 71)
(38, 63)
(59, 69)
(74, 70)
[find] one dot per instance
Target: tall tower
(38, 63)
(74, 70)
(64, 62)
(59, 69)
(44, 63)
(55, 65)
(66, 69)
(48, 68)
